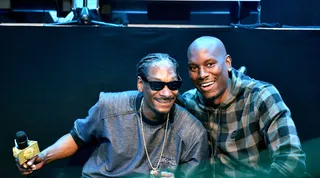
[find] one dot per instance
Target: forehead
(162, 69)
(199, 55)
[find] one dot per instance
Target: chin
(209, 95)
(163, 111)
(163, 108)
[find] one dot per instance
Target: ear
(228, 60)
(140, 84)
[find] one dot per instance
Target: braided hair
(145, 63)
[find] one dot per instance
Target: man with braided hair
(139, 133)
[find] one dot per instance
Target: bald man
(251, 132)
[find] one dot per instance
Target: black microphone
(22, 140)
(24, 149)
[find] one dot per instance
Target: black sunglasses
(157, 85)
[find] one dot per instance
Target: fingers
(26, 172)
(23, 169)
(31, 161)
(167, 174)
(28, 167)
(33, 167)
(35, 163)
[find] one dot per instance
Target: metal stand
(85, 18)
(239, 12)
(259, 12)
(258, 24)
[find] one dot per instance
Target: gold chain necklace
(154, 169)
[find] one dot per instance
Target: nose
(202, 73)
(166, 92)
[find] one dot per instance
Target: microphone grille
(21, 137)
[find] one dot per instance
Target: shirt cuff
(76, 138)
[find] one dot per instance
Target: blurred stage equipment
(194, 12)
(175, 11)
(5, 4)
(241, 9)
(60, 12)
(115, 13)
(84, 16)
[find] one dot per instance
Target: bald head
(208, 68)
(207, 43)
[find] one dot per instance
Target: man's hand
(162, 174)
(31, 165)
(167, 174)
(62, 148)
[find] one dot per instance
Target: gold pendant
(154, 174)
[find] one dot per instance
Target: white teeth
(163, 101)
(207, 84)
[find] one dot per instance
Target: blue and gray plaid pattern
(251, 133)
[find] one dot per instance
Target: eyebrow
(207, 60)
(211, 59)
(157, 79)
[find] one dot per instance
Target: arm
(62, 148)
(85, 131)
(195, 158)
(280, 135)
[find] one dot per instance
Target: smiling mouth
(207, 84)
(164, 101)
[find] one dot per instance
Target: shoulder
(258, 88)
(113, 96)
(190, 94)
(190, 99)
(264, 90)
(186, 125)
(118, 102)
(265, 96)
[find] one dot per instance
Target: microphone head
(22, 140)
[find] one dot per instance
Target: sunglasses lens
(175, 85)
(157, 86)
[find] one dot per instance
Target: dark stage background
(51, 76)
(291, 12)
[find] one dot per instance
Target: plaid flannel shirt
(251, 134)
